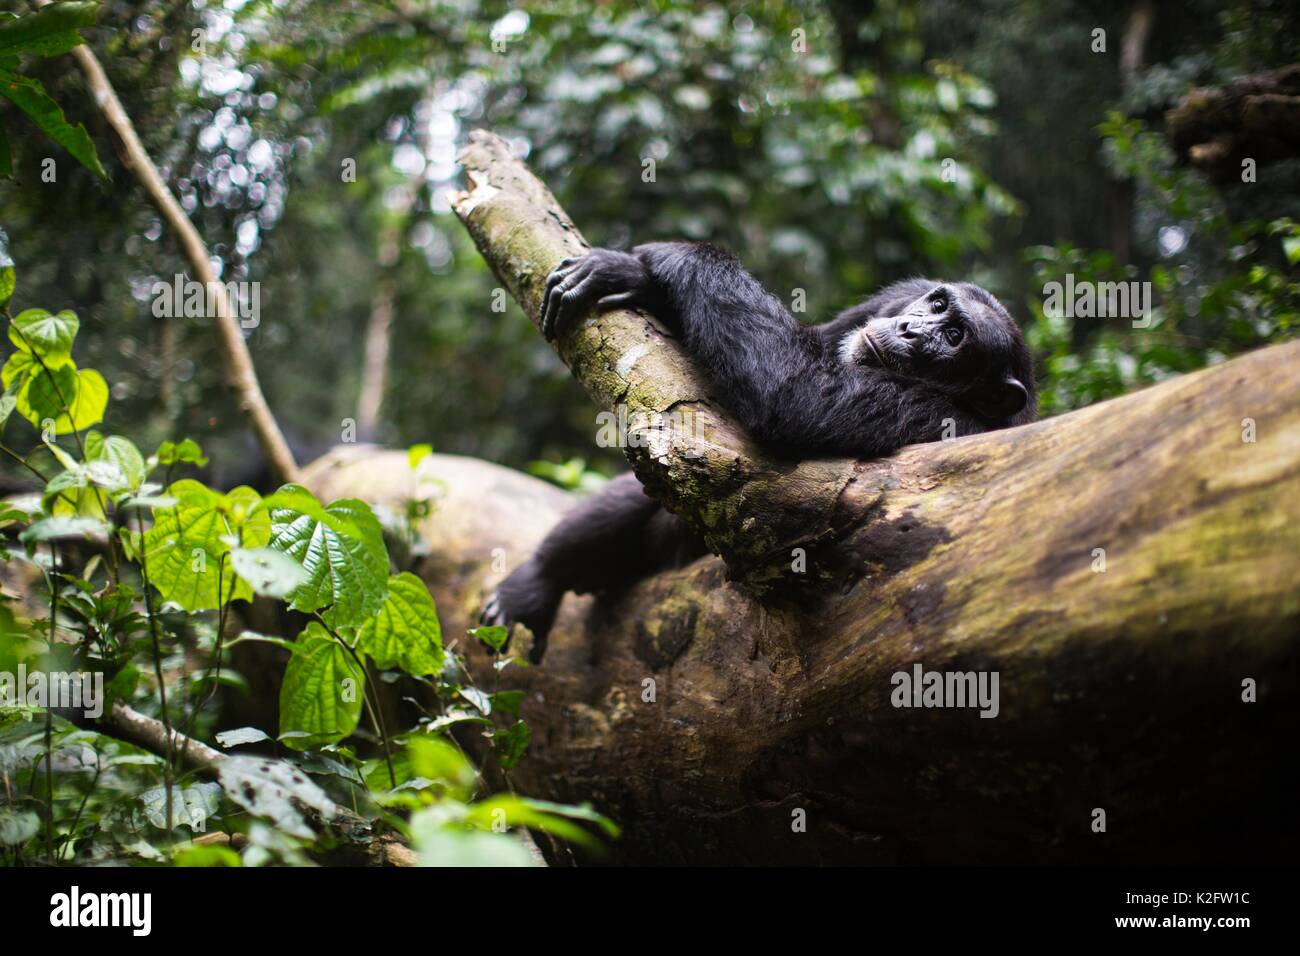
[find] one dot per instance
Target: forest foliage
(835, 147)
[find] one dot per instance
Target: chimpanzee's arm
(782, 383)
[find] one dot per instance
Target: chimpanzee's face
(957, 337)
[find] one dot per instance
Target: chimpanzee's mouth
(876, 351)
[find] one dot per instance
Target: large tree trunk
(705, 707)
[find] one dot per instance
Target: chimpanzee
(918, 361)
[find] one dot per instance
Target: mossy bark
(751, 508)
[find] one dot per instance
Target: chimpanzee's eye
(939, 304)
(953, 334)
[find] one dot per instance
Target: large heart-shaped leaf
(44, 334)
(405, 633)
(341, 547)
(184, 548)
(42, 392)
(119, 451)
(321, 695)
(88, 406)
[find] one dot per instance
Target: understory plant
(124, 585)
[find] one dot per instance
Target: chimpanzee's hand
(526, 597)
(607, 278)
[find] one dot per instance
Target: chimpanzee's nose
(905, 329)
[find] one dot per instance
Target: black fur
(915, 362)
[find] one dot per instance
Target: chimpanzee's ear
(999, 400)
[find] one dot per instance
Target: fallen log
(1130, 573)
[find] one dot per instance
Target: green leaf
(64, 526)
(273, 790)
(319, 763)
(439, 844)
(41, 393)
(405, 633)
(268, 571)
(146, 501)
(203, 854)
(47, 32)
(49, 336)
(122, 686)
(280, 642)
(494, 637)
(17, 826)
(511, 744)
(376, 776)
(120, 452)
(30, 97)
(17, 369)
(88, 406)
(454, 717)
(186, 451)
(341, 547)
(554, 818)
(1291, 247)
(9, 514)
(508, 701)
(321, 694)
(188, 493)
(61, 456)
(191, 806)
(435, 759)
(184, 548)
(417, 453)
(476, 698)
(83, 488)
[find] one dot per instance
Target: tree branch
(151, 735)
(238, 364)
(751, 508)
